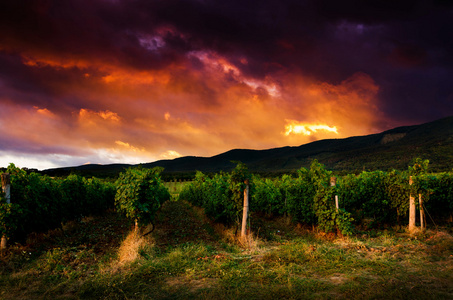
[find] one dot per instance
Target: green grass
(188, 257)
(175, 187)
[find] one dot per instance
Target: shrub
(140, 193)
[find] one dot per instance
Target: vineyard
(41, 203)
(196, 229)
(369, 200)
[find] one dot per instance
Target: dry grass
(129, 250)
(189, 257)
(228, 234)
(250, 242)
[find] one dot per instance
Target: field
(189, 257)
(175, 187)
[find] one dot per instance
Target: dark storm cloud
(78, 29)
(41, 87)
(405, 46)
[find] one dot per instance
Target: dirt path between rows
(178, 223)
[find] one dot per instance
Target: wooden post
(333, 182)
(245, 211)
(3, 243)
(136, 228)
(6, 189)
(411, 210)
(422, 212)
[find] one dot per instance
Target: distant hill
(391, 149)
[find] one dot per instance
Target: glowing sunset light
(54, 62)
(128, 146)
(170, 154)
(106, 115)
(295, 127)
(44, 111)
(125, 77)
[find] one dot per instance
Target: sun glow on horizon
(170, 154)
(295, 127)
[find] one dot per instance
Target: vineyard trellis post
(6, 189)
(412, 212)
(333, 183)
(422, 212)
(136, 227)
(245, 210)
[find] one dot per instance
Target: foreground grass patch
(186, 258)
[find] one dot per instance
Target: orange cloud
(170, 154)
(37, 126)
(134, 78)
(201, 112)
(86, 115)
(45, 112)
(56, 62)
(97, 126)
(129, 147)
(350, 106)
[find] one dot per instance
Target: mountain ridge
(391, 149)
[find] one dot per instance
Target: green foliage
(193, 192)
(268, 197)
(9, 215)
(238, 180)
(220, 201)
(214, 195)
(99, 193)
(40, 203)
(328, 217)
(384, 196)
(299, 194)
(221, 195)
(307, 199)
(437, 193)
(74, 194)
(397, 189)
(379, 197)
(419, 167)
(366, 196)
(140, 193)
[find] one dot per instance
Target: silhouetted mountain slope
(391, 149)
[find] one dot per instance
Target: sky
(135, 81)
